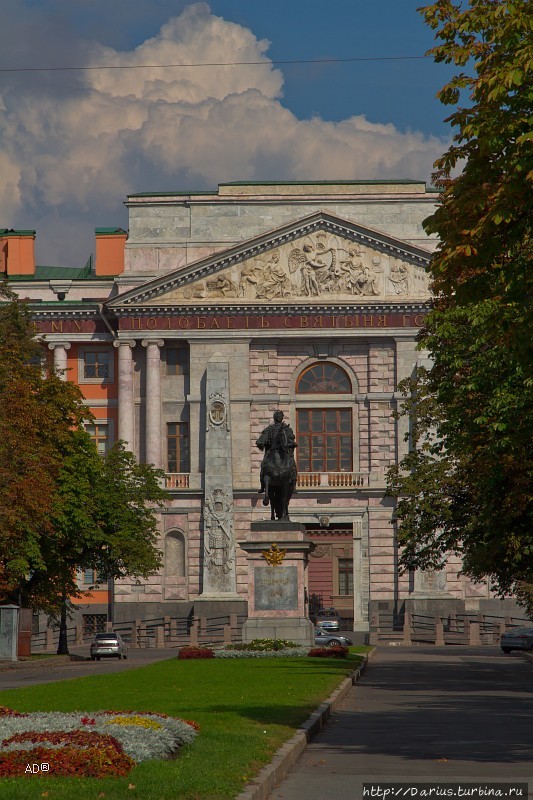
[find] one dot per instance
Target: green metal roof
(109, 231)
(13, 232)
(61, 274)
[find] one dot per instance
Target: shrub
(328, 652)
(196, 652)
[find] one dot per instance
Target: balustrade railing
(177, 480)
(335, 480)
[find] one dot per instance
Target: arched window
(324, 433)
(323, 378)
(175, 554)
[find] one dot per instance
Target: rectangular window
(99, 433)
(96, 364)
(89, 577)
(93, 623)
(177, 361)
(178, 447)
(324, 440)
(345, 576)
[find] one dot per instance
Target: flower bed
(92, 745)
(329, 652)
(289, 652)
(262, 648)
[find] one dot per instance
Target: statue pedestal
(277, 573)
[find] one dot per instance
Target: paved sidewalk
(423, 715)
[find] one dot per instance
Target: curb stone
(287, 755)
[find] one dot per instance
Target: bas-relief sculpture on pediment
(319, 267)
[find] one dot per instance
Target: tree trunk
(62, 647)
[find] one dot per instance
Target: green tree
(37, 414)
(62, 506)
(465, 489)
(104, 520)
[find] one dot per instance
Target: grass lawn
(246, 709)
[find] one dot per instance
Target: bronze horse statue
(278, 470)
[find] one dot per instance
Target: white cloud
(78, 153)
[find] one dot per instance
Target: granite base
(296, 629)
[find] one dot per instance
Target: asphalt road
(29, 676)
(434, 715)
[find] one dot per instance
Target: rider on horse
(277, 434)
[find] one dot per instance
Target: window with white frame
(96, 365)
(101, 435)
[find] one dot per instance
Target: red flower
(195, 652)
(328, 652)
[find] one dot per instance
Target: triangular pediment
(319, 260)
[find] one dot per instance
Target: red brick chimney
(110, 244)
(17, 252)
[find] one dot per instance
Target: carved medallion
(218, 411)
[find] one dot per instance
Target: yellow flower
(142, 722)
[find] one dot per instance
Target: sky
(75, 143)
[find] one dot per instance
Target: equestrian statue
(278, 469)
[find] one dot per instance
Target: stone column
(219, 573)
(406, 356)
(361, 578)
(153, 401)
(60, 358)
(126, 417)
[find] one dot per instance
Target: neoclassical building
(216, 309)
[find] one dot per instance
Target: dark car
(328, 619)
(517, 639)
(108, 645)
(331, 639)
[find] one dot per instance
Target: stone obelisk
(219, 572)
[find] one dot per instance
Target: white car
(108, 645)
(517, 639)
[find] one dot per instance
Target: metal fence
(435, 629)
(161, 632)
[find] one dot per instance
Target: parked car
(331, 639)
(108, 645)
(517, 639)
(328, 619)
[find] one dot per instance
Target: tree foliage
(62, 506)
(36, 417)
(466, 487)
(104, 520)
